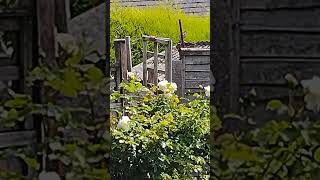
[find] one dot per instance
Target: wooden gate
(17, 23)
(256, 43)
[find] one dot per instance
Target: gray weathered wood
(279, 44)
(177, 75)
(155, 60)
(18, 138)
(129, 56)
(62, 15)
(281, 4)
(168, 63)
(145, 62)
(273, 73)
(9, 73)
(294, 18)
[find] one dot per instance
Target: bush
(164, 139)
(161, 21)
(286, 148)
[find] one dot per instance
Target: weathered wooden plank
(195, 67)
(279, 4)
(194, 52)
(9, 73)
(9, 24)
(274, 73)
(129, 56)
(221, 24)
(18, 138)
(156, 39)
(62, 15)
(279, 44)
(177, 75)
(192, 75)
(168, 62)
(197, 60)
(265, 92)
(279, 60)
(46, 30)
(282, 18)
(155, 63)
(145, 49)
(191, 84)
(262, 28)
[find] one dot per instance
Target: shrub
(161, 21)
(166, 139)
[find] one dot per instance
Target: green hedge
(161, 21)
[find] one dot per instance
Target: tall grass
(161, 21)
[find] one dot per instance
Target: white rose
(312, 98)
(163, 85)
(131, 75)
(174, 86)
(123, 123)
(207, 91)
(49, 176)
(291, 79)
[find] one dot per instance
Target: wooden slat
(279, 60)
(156, 39)
(279, 44)
(168, 62)
(261, 28)
(62, 13)
(195, 67)
(282, 18)
(195, 84)
(270, 73)
(9, 73)
(177, 75)
(145, 46)
(197, 75)
(19, 138)
(194, 52)
(129, 56)
(197, 60)
(279, 4)
(155, 60)
(9, 24)
(265, 92)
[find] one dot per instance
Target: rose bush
(165, 139)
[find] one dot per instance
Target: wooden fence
(257, 43)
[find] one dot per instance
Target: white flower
(163, 85)
(291, 79)
(174, 86)
(131, 75)
(123, 123)
(49, 176)
(312, 98)
(207, 91)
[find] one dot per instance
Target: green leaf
(95, 74)
(317, 154)
(274, 105)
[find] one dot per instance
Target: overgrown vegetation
(161, 21)
(160, 138)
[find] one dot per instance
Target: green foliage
(166, 139)
(82, 144)
(161, 21)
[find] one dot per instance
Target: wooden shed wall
(195, 69)
(259, 42)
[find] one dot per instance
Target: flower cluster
(312, 98)
(167, 88)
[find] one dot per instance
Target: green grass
(160, 21)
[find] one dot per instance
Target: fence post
(168, 62)
(62, 15)
(128, 49)
(155, 72)
(145, 49)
